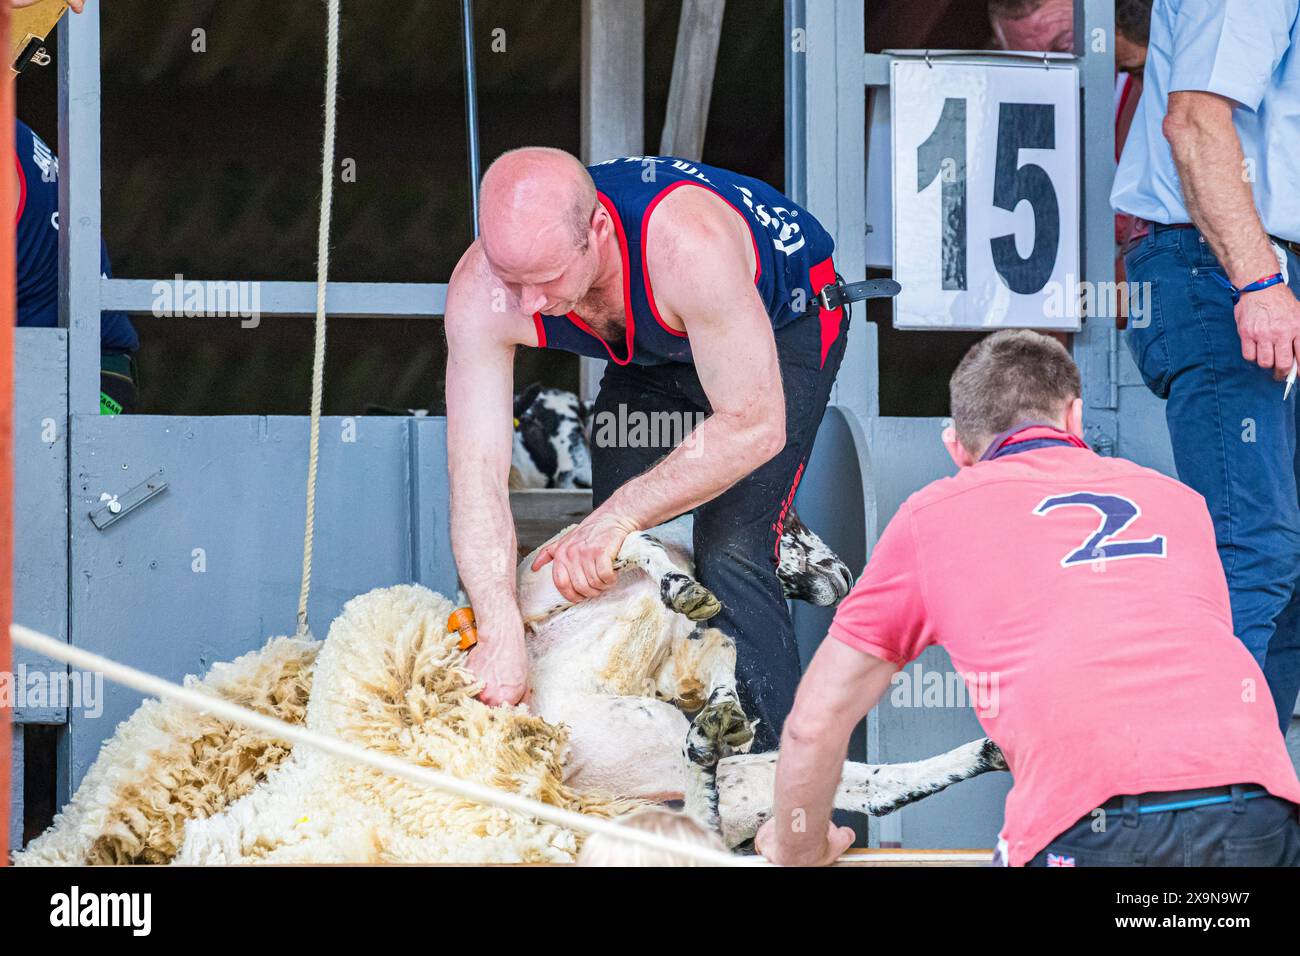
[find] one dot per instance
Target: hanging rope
(322, 280)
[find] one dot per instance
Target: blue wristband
(1255, 286)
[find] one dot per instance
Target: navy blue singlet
(38, 245)
(792, 251)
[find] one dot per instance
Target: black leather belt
(1285, 243)
(838, 293)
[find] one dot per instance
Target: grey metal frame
(824, 146)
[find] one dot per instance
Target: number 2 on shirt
(1117, 513)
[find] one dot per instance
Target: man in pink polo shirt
(1138, 729)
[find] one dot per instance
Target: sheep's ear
(524, 400)
(585, 411)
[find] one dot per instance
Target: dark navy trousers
(736, 533)
(1262, 831)
(1234, 440)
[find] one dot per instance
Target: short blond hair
(1006, 379)
(601, 850)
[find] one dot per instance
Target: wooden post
(8, 309)
(698, 33)
(613, 102)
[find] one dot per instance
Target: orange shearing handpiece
(462, 621)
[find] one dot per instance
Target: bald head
(535, 205)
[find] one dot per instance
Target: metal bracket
(116, 507)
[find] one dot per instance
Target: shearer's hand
(837, 840)
(583, 560)
(1268, 322)
(500, 661)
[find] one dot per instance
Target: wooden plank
(875, 856)
(698, 34)
(540, 513)
(613, 78)
(40, 528)
(613, 103)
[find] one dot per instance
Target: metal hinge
(115, 507)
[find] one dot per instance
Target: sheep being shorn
(632, 701)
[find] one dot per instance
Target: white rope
(298, 735)
(322, 280)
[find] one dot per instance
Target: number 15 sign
(985, 194)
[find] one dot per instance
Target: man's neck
(606, 293)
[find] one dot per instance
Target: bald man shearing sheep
(701, 289)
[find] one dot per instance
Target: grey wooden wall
(210, 568)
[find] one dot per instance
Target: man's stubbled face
(1050, 28)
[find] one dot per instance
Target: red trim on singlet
(541, 330)
(779, 527)
(821, 275)
(645, 230)
(22, 188)
(627, 290)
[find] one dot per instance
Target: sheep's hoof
(687, 596)
(719, 730)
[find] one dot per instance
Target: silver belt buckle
(825, 301)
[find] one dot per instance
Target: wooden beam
(698, 33)
(613, 79)
(613, 103)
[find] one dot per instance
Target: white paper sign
(985, 195)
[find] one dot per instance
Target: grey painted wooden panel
(1143, 432)
(907, 454)
(210, 568)
(40, 503)
(430, 507)
(16, 801)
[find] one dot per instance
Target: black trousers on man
(1249, 828)
(736, 534)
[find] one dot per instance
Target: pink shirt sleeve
(884, 615)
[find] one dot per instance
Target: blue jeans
(1234, 440)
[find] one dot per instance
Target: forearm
(1211, 167)
(807, 775)
(717, 454)
(484, 545)
(842, 684)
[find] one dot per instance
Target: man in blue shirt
(37, 252)
(1211, 166)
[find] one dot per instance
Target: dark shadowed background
(211, 169)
